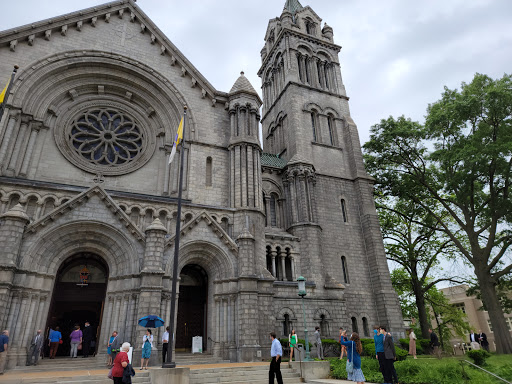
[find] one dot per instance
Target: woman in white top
(147, 345)
(412, 343)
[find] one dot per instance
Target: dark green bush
(401, 354)
(479, 356)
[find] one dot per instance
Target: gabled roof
(81, 199)
(270, 160)
(102, 13)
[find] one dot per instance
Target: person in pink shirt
(76, 339)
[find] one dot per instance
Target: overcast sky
(397, 54)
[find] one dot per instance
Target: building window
(344, 210)
(269, 260)
(345, 270)
(306, 65)
(273, 219)
(354, 325)
(326, 71)
(301, 76)
(324, 326)
(287, 325)
(460, 307)
(208, 171)
(313, 125)
(330, 125)
(365, 327)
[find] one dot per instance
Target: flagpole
(170, 363)
(8, 91)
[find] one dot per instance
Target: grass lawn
(428, 370)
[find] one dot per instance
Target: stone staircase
(241, 374)
(184, 359)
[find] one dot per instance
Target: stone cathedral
(88, 201)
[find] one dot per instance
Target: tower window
(365, 327)
(299, 63)
(326, 71)
(354, 325)
(345, 270)
(273, 221)
(313, 125)
(208, 171)
(330, 125)
(324, 325)
(319, 71)
(344, 210)
(306, 64)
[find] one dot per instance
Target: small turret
(327, 32)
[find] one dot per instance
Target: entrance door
(192, 307)
(78, 296)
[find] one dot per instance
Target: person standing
(318, 341)
(412, 343)
(343, 337)
(121, 361)
(4, 346)
(482, 337)
(434, 343)
(147, 346)
(378, 339)
(354, 350)
(474, 340)
(165, 343)
(109, 351)
(292, 339)
(389, 356)
(87, 339)
(55, 340)
(276, 351)
(76, 338)
(35, 348)
(115, 345)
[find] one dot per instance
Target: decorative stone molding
(12, 45)
(64, 30)
(107, 18)
(31, 40)
(79, 25)
(94, 20)
(47, 34)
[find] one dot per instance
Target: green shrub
(369, 350)
(404, 343)
(401, 354)
(424, 344)
(479, 356)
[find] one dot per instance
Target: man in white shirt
(276, 351)
(165, 343)
(473, 340)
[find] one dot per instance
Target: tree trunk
(422, 312)
(502, 336)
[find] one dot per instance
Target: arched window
(345, 270)
(279, 266)
(287, 325)
(344, 210)
(365, 327)
(208, 171)
(306, 65)
(269, 260)
(319, 72)
(273, 219)
(330, 125)
(326, 71)
(324, 326)
(313, 124)
(354, 325)
(301, 75)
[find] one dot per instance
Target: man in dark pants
(86, 339)
(483, 340)
(434, 343)
(276, 351)
(378, 339)
(165, 343)
(389, 356)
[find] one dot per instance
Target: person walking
(343, 337)
(165, 343)
(4, 346)
(55, 338)
(389, 356)
(147, 346)
(76, 338)
(35, 348)
(276, 351)
(121, 361)
(434, 343)
(482, 337)
(115, 345)
(87, 339)
(318, 341)
(378, 339)
(292, 339)
(412, 343)
(354, 350)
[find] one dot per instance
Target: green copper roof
(269, 160)
(293, 6)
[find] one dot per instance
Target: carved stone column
(34, 131)
(19, 143)
(12, 122)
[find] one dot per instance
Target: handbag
(79, 348)
(350, 364)
(60, 341)
(110, 376)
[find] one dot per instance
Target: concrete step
(240, 374)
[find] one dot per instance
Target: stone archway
(78, 296)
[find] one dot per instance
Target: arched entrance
(78, 295)
(192, 307)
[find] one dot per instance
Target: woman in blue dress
(354, 350)
(109, 350)
(147, 345)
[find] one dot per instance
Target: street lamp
(302, 292)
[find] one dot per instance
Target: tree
(417, 248)
(458, 167)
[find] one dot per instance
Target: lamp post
(302, 292)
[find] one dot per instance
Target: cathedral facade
(88, 201)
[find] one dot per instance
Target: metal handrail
(486, 371)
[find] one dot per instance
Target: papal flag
(177, 139)
(2, 95)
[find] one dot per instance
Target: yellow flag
(2, 95)
(177, 139)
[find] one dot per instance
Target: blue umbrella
(151, 321)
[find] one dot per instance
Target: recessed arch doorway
(78, 296)
(192, 307)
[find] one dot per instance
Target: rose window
(106, 137)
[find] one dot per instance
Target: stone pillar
(243, 172)
(274, 269)
(115, 315)
(30, 148)
(19, 324)
(292, 262)
(166, 174)
(293, 199)
(250, 177)
(19, 143)
(283, 267)
(28, 329)
(13, 310)
(12, 122)
(106, 326)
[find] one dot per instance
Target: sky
(396, 57)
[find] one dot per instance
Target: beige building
(479, 320)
